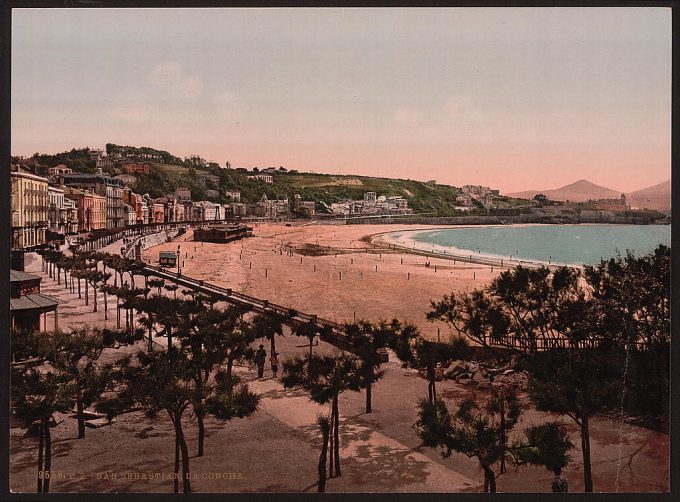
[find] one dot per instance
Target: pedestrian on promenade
(260, 358)
(274, 360)
(559, 483)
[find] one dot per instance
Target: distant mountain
(655, 197)
(579, 191)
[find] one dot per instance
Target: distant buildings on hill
(481, 194)
(372, 204)
(267, 178)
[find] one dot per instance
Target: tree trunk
(186, 481)
(311, 347)
(489, 480)
(273, 345)
(331, 446)
(94, 296)
(106, 308)
(503, 439)
(81, 416)
(230, 365)
(48, 456)
(175, 479)
(41, 447)
(322, 460)
(431, 389)
(368, 397)
(149, 347)
(336, 434)
(79, 295)
(200, 414)
(168, 330)
(86, 293)
(585, 448)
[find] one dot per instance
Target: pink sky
(513, 98)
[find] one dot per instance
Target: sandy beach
(276, 449)
(333, 271)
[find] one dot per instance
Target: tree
(540, 199)
(550, 321)
(156, 283)
(324, 424)
(368, 341)
(36, 395)
(633, 298)
(161, 310)
(411, 348)
(311, 330)
(579, 384)
(75, 355)
(325, 378)
(546, 445)
(210, 337)
(267, 326)
(475, 430)
(161, 381)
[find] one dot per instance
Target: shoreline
(404, 243)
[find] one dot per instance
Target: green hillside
(169, 172)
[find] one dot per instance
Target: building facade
(110, 188)
(136, 168)
(157, 213)
(29, 209)
(234, 195)
(183, 193)
(59, 170)
(90, 209)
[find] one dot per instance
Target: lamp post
(178, 253)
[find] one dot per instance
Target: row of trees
(572, 331)
(592, 341)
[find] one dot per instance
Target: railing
(552, 342)
(289, 315)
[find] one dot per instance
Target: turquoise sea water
(572, 244)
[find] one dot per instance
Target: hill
(579, 191)
(655, 197)
(168, 172)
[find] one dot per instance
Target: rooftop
(33, 301)
(19, 276)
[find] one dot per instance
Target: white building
(183, 193)
(267, 178)
(129, 215)
(56, 213)
(370, 198)
(211, 211)
(234, 195)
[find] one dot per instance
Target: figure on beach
(274, 360)
(260, 358)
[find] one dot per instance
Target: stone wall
(149, 241)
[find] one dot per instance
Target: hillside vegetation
(169, 172)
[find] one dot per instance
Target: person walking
(559, 483)
(274, 360)
(260, 358)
